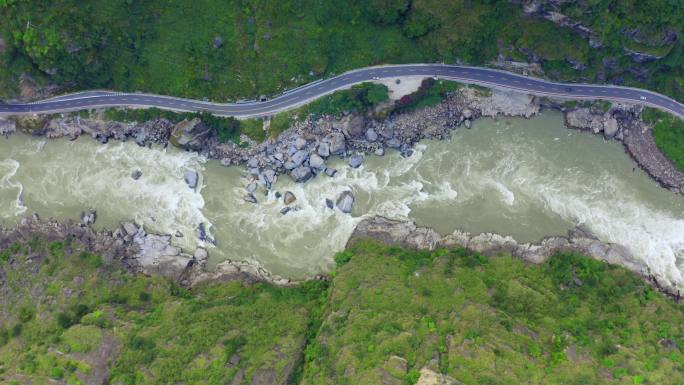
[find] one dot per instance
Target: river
(524, 178)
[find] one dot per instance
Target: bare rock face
(430, 377)
(399, 233)
(585, 119)
(189, 134)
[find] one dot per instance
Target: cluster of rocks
(623, 123)
(409, 235)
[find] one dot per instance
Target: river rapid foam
(524, 178)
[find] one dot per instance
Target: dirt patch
(407, 85)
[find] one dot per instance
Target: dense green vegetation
(359, 98)
(243, 49)
(68, 315)
(65, 315)
(668, 132)
(494, 320)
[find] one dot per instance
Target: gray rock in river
(355, 161)
(371, 135)
(316, 162)
(191, 177)
(250, 198)
(324, 149)
(270, 177)
(468, 123)
(129, 228)
(345, 202)
(136, 174)
(253, 162)
(7, 127)
(301, 174)
(251, 187)
(380, 151)
(200, 254)
(329, 203)
(278, 194)
(89, 218)
(610, 128)
(289, 197)
(330, 172)
(393, 143)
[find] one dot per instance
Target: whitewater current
(524, 178)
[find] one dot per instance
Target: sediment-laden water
(525, 178)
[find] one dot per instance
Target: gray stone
(393, 143)
(191, 177)
(130, 228)
(251, 187)
(278, 194)
(200, 254)
(371, 136)
(289, 197)
(285, 210)
(467, 114)
(324, 149)
(329, 203)
(330, 172)
(136, 174)
(300, 143)
(301, 174)
(270, 177)
(345, 202)
(299, 157)
(249, 197)
(467, 123)
(89, 218)
(610, 128)
(316, 162)
(355, 161)
(253, 162)
(380, 151)
(337, 143)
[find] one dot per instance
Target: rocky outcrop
(190, 134)
(623, 123)
(407, 234)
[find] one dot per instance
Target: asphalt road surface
(301, 95)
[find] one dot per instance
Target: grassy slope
(493, 321)
(668, 132)
(481, 320)
(60, 309)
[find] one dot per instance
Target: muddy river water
(524, 178)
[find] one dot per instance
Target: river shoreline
(141, 253)
(326, 138)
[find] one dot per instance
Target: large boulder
(316, 162)
(189, 134)
(610, 128)
(324, 149)
(352, 125)
(355, 161)
(289, 197)
(371, 135)
(336, 143)
(301, 174)
(191, 177)
(345, 202)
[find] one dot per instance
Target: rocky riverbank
(624, 124)
(140, 252)
(409, 235)
(302, 151)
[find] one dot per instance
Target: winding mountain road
(304, 94)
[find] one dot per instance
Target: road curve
(472, 75)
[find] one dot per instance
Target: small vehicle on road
(568, 89)
(642, 97)
(376, 77)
